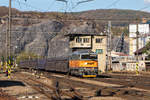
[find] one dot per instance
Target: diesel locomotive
(81, 63)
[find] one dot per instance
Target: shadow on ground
(103, 76)
(8, 83)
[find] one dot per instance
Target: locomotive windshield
(89, 56)
(75, 57)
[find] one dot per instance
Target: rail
(55, 91)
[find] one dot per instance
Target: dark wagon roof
(84, 52)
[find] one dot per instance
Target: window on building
(85, 40)
(78, 40)
(99, 51)
(99, 40)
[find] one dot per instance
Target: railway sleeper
(71, 93)
(55, 90)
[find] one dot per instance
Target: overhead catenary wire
(83, 19)
(50, 6)
(112, 4)
(19, 4)
(34, 31)
(64, 1)
(48, 32)
(144, 8)
(28, 5)
(80, 2)
(84, 1)
(67, 3)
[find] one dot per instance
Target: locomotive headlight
(85, 63)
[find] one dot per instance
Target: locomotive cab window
(89, 57)
(75, 57)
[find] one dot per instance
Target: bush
(25, 56)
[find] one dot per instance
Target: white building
(144, 36)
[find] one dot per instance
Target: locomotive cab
(83, 64)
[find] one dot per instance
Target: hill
(4, 11)
(114, 14)
(122, 16)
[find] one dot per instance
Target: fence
(129, 66)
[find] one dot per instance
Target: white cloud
(147, 1)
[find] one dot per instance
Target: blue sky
(53, 5)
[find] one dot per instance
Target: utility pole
(109, 46)
(6, 46)
(9, 28)
(8, 32)
(137, 41)
(137, 47)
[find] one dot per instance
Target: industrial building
(138, 33)
(143, 37)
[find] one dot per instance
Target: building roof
(118, 54)
(140, 51)
(85, 34)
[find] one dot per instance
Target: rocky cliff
(45, 38)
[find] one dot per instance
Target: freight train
(81, 63)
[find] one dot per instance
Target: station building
(95, 42)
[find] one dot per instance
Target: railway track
(113, 88)
(52, 92)
(132, 80)
(4, 96)
(112, 80)
(100, 90)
